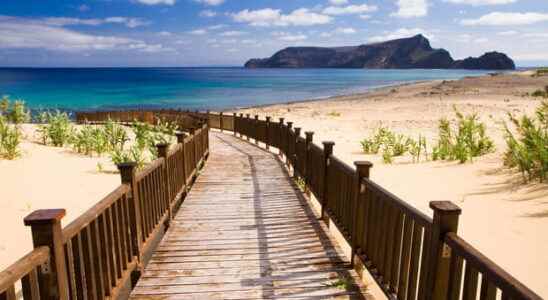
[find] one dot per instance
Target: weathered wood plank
(244, 232)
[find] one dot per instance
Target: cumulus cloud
(349, 10)
(400, 33)
(198, 32)
(61, 21)
(506, 19)
(156, 2)
(507, 33)
(19, 33)
(411, 9)
(211, 2)
(338, 2)
(233, 33)
(481, 2)
(274, 17)
(345, 30)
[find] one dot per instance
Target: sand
(503, 217)
(46, 177)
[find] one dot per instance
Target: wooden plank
(244, 231)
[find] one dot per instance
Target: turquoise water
(195, 88)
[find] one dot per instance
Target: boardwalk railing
(100, 254)
(411, 255)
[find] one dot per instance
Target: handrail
(511, 287)
(91, 214)
(100, 253)
(22, 267)
(417, 214)
(399, 244)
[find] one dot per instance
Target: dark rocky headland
(407, 53)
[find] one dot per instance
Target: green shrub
(469, 140)
(56, 129)
(418, 147)
(90, 139)
(115, 134)
(10, 139)
(387, 142)
(134, 154)
(4, 105)
(527, 149)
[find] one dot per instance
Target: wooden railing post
(280, 136)
(162, 153)
(220, 121)
(327, 152)
(127, 174)
(363, 169)
(309, 136)
(181, 140)
(267, 138)
(286, 144)
(248, 129)
(256, 129)
(241, 126)
(445, 220)
(297, 135)
(235, 123)
(46, 230)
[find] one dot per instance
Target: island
(406, 53)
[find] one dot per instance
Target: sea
(87, 89)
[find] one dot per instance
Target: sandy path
(502, 217)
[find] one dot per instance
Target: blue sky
(228, 32)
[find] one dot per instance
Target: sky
(157, 33)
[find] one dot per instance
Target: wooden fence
(100, 254)
(411, 255)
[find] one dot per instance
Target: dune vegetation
(12, 115)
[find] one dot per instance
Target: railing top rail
(341, 165)
(509, 285)
(173, 149)
(91, 214)
(408, 209)
(22, 267)
(149, 168)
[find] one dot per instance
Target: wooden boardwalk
(245, 232)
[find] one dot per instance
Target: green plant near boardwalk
(386, 142)
(115, 134)
(90, 139)
(469, 140)
(10, 139)
(56, 128)
(527, 145)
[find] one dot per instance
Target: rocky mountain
(406, 53)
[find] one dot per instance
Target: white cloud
(156, 2)
(481, 40)
(164, 33)
(346, 30)
(19, 33)
(349, 10)
(208, 13)
(293, 37)
(400, 33)
(507, 19)
(411, 9)
(211, 2)
(274, 17)
(508, 33)
(61, 21)
(198, 32)
(481, 2)
(233, 33)
(365, 17)
(338, 2)
(216, 27)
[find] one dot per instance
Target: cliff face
(408, 53)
